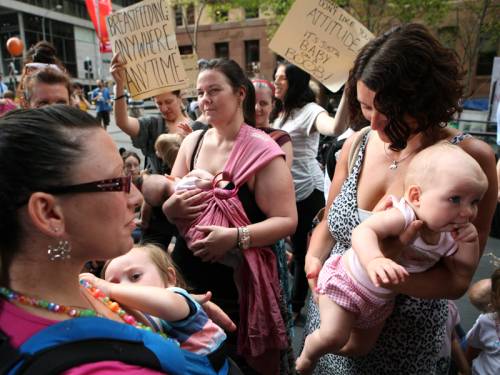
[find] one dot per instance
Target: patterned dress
(414, 333)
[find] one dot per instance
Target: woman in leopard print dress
(405, 85)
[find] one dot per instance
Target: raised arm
(327, 125)
(129, 125)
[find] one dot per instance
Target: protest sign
(190, 63)
(145, 37)
(321, 38)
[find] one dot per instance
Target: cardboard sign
(144, 34)
(190, 63)
(322, 39)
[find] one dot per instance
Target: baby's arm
(464, 260)
(365, 242)
(156, 301)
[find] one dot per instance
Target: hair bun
(44, 52)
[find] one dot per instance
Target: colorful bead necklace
(115, 307)
(74, 312)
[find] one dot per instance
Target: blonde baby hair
(163, 261)
(443, 158)
(167, 146)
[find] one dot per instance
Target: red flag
(103, 11)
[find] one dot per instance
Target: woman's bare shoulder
(478, 149)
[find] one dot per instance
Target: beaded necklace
(74, 312)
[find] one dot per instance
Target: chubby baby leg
(332, 335)
(361, 341)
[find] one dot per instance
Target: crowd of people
(200, 257)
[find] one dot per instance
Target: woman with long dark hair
(298, 114)
(252, 177)
(406, 86)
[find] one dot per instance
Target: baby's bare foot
(304, 365)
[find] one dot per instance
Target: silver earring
(60, 252)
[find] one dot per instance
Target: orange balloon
(15, 46)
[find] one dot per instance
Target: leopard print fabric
(412, 336)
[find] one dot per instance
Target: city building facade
(237, 33)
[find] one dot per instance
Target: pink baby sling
(262, 330)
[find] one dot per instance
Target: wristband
(120, 97)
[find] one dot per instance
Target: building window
(448, 36)
(487, 52)
(190, 14)
(178, 15)
(186, 50)
(252, 56)
(251, 12)
(10, 28)
(221, 15)
(60, 34)
(222, 50)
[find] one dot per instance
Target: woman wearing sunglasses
(70, 204)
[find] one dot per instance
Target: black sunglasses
(112, 184)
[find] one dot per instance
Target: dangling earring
(60, 252)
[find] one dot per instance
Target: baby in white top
(443, 187)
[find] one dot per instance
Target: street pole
(99, 67)
(47, 11)
(43, 27)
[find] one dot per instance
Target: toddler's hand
(465, 233)
(385, 271)
(100, 284)
(184, 129)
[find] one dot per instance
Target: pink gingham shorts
(334, 282)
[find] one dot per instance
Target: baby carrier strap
(74, 342)
(252, 150)
(58, 359)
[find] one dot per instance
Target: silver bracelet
(243, 238)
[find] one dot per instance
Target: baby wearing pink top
(443, 187)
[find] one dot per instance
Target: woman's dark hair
(126, 154)
(43, 52)
(298, 93)
(411, 74)
(39, 148)
(237, 79)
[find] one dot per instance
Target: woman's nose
(134, 197)
(377, 121)
(203, 99)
